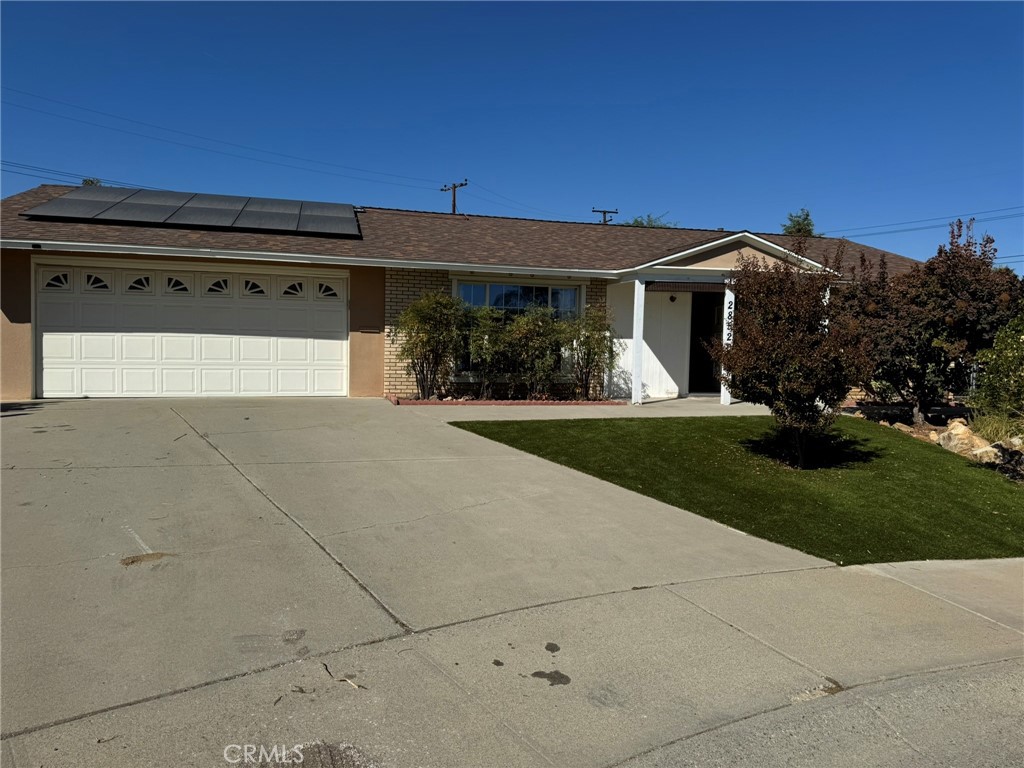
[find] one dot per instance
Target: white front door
(137, 332)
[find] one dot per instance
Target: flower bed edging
(406, 401)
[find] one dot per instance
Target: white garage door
(105, 332)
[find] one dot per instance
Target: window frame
(486, 281)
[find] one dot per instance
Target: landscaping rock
(903, 428)
(1017, 442)
(990, 454)
(933, 436)
(884, 424)
(960, 439)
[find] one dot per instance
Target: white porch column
(727, 314)
(639, 293)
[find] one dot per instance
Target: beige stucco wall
(366, 321)
(15, 325)
(724, 257)
(366, 332)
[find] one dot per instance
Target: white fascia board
(746, 237)
(298, 258)
(689, 276)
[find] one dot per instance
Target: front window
(515, 298)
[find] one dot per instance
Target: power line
(75, 176)
(511, 200)
(860, 235)
(517, 204)
(35, 176)
(214, 151)
(921, 221)
(216, 141)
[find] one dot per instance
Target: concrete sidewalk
(351, 572)
(695, 405)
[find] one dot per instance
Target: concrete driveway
(181, 576)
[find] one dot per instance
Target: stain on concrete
(321, 755)
(606, 697)
(553, 677)
(149, 557)
(293, 636)
(498, 663)
(552, 648)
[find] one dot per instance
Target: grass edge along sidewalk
(885, 497)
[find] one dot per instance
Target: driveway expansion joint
(380, 603)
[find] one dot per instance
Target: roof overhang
(398, 263)
(295, 258)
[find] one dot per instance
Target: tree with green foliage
(91, 182)
(792, 349)
(1001, 383)
(926, 327)
(799, 224)
(431, 336)
(651, 221)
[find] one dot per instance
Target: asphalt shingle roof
(417, 236)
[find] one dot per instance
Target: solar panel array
(198, 211)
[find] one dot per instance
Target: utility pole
(453, 188)
(605, 217)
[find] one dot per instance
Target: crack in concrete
(896, 731)
(198, 686)
(752, 636)
(769, 710)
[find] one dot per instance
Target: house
(114, 292)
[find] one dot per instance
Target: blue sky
(719, 115)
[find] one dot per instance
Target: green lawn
(893, 498)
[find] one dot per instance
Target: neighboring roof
(422, 237)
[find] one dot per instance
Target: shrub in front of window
(488, 348)
(592, 350)
(535, 342)
(431, 336)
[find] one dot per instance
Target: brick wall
(401, 288)
(597, 294)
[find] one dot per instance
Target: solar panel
(83, 203)
(209, 211)
(328, 219)
(140, 213)
(327, 225)
(270, 205)
(249, 219)
(184, 209)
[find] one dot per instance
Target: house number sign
(729, 304)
